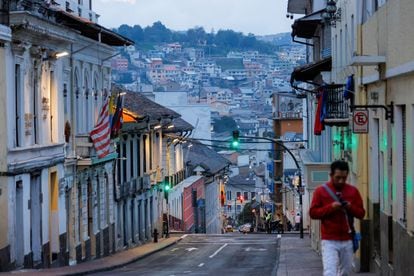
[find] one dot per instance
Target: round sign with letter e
(360, 120)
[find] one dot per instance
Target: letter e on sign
(360, 120)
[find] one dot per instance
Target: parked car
(246, 228)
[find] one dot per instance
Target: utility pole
(235, 201)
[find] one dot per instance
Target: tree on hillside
(196, 36)
(214, 43)
(157, 33)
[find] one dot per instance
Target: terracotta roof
(141, 105)
(90, 29)
(201, 155)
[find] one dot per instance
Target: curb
(112, 267)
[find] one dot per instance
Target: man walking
(332, 203)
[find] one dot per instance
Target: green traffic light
(235, 144)
(167, 187)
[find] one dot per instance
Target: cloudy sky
(248, 16)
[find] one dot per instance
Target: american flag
(100, 135)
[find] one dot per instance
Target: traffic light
(167, 188)
(241, 199)
(235, 142)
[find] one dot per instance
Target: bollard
(155, 235)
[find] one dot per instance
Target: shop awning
(305, 27)
(308, 72)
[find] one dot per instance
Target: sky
(259, 17)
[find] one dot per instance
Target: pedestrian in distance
(268, 222)
(336, 203)
(297, 222)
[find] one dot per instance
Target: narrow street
(232, 254)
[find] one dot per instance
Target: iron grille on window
(337, 107)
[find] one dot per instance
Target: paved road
(219, 255)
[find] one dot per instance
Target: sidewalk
(103, 264)
(297, 258)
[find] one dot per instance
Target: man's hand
(347, 205)
(336, 205)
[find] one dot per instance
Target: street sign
(360, 120)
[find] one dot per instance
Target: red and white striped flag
(101, 134)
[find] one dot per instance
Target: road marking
(200, 265)
(175, 249)
(233, 243)
(183, 236)
(279, 236)
(191, 249)
(255, 249)
(218, 250)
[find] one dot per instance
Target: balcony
(86, 152)
(287, 115)
(175, 178)
(136, 185)
(337, 107)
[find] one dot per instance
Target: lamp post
(280, 143)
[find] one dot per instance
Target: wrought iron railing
(337, 107)
(176, 178)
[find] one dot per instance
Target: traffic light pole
(235, 215)
(299, 170)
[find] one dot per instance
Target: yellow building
(385, 63)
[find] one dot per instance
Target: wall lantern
(332, 14)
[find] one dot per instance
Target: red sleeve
(357, 208)
(319, 209)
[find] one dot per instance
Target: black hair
(339, 165)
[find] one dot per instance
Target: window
(401, 177)
(238, 208)
(18, 105)
(352, 35)
(246, 196)
(253, 195)
(138, 157)
(346, 41)
(131, 158)
(124, 162)
(150, 150)
(404, 163)
(238, 195)
(228, 195)
(341, 52)
(144, 143)
(51, 103)
(35, 102)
